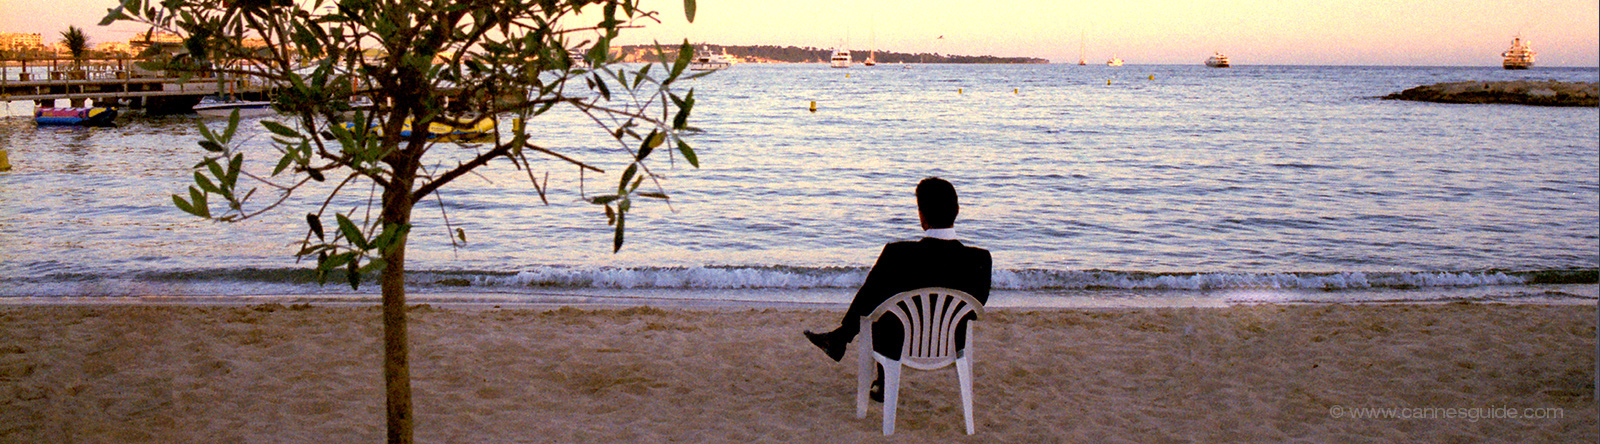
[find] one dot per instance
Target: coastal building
(125, 48)
(19, 40)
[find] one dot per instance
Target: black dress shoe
(826, 343)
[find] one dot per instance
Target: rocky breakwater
(1519, 92)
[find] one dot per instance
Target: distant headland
(1517, 92)
(792, 54)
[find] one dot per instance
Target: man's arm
(876, 288)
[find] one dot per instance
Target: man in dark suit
(938, 260)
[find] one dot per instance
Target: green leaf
(205, 183)
(234, 165)
(685, 54)
(315, 175)
(199, 201)
(212, 146)
(351, 232)
(392, 232)
(641, 76)
(114, 14)
(688, 10)
(602, 200)
(279, 129)
(616, 240)
(605, 92)
(184, 205)
(316, 225)
(215, 169)
(283, 163)
(322, 271)
(688, 153)
(334, 261)
(353, 273)
(373, 266)
(654, 195)
(650, 143)
(206, 132)
(681, 119)
(233, 124)
(627, 175)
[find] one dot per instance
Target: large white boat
(1218, 61)
(1115, 61)
(213, 106)
(705, 60)
(840, 59)
(1519, 56)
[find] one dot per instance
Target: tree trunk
(396, 361)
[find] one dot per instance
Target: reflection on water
(1250, 170)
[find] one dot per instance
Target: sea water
(1122, 185)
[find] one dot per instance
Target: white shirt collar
(941, 233)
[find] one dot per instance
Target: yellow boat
(452, 128)
(462, 129)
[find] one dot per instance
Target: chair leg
(864, 370)
(964, 373)
(891, 395)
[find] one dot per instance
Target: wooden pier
(112, 80)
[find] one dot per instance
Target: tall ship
(1218, 61)
(1519, 56)
(840, 59)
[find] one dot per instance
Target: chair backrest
(930, 316)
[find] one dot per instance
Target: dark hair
(936, 200)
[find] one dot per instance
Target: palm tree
(77, 43)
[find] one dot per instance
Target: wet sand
(1280, 373)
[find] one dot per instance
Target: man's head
(936, 203)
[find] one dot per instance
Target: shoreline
(832, 298)
(309, 373)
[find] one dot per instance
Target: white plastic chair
(930, 316)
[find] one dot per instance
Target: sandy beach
(1279, 373)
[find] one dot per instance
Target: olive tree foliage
(423, 62)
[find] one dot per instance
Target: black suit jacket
(905, 266)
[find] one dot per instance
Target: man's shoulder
(932, 245)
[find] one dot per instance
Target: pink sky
(1272, 32)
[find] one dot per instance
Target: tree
(488, 59)
(77, 43)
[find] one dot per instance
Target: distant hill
(792, 54)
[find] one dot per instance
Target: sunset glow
(1253, 32)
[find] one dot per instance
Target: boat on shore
(840, 58)
(705, 60)
(1218, 61)
(1519, 56)
(449, 129)
(213, 106)
(85, 116)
